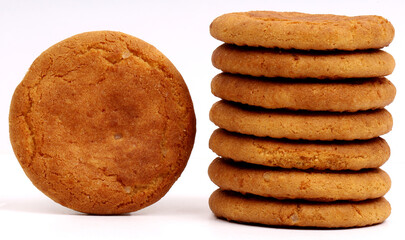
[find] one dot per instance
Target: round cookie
(338, 96)
(325, 126)
(302, 64)
(280, 183)
(338, 155)
(102, 123)
(302, 31)
(343, 214)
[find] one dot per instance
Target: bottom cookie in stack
(234, 206)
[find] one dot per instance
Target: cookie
(343, 214)
(337, 155)
(102, 123)
(338, 96)
(302, 31)
(281, 183)
(300, 124)
(302, 64)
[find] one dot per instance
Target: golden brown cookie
(302, 64)
(300, 124)
(338, 96)
(302, 31)
(102, 123)
(342, 214)
(337, 155)
(281, 183)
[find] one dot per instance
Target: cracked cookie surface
(102, 123)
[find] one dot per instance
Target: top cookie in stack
(299, 90)
(295, 30)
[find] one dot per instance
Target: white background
(179, 29)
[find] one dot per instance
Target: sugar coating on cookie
(281, 183)
(295, 125)
(336, 155)
(302, 31)
(337, 96)
(234, 206)
(102, 123)
(302, 64)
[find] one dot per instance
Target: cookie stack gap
(300, 119)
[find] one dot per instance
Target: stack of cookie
(300, 119)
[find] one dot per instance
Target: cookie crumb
(267, 176)
(126, 55)
(294, 218)
(128, 189)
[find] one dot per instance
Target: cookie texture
(349, 95)
(102, 123)
(233, 206)
(302, 31)
(300, 124)
(337, 155)
(325, 186)
(302, 64)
